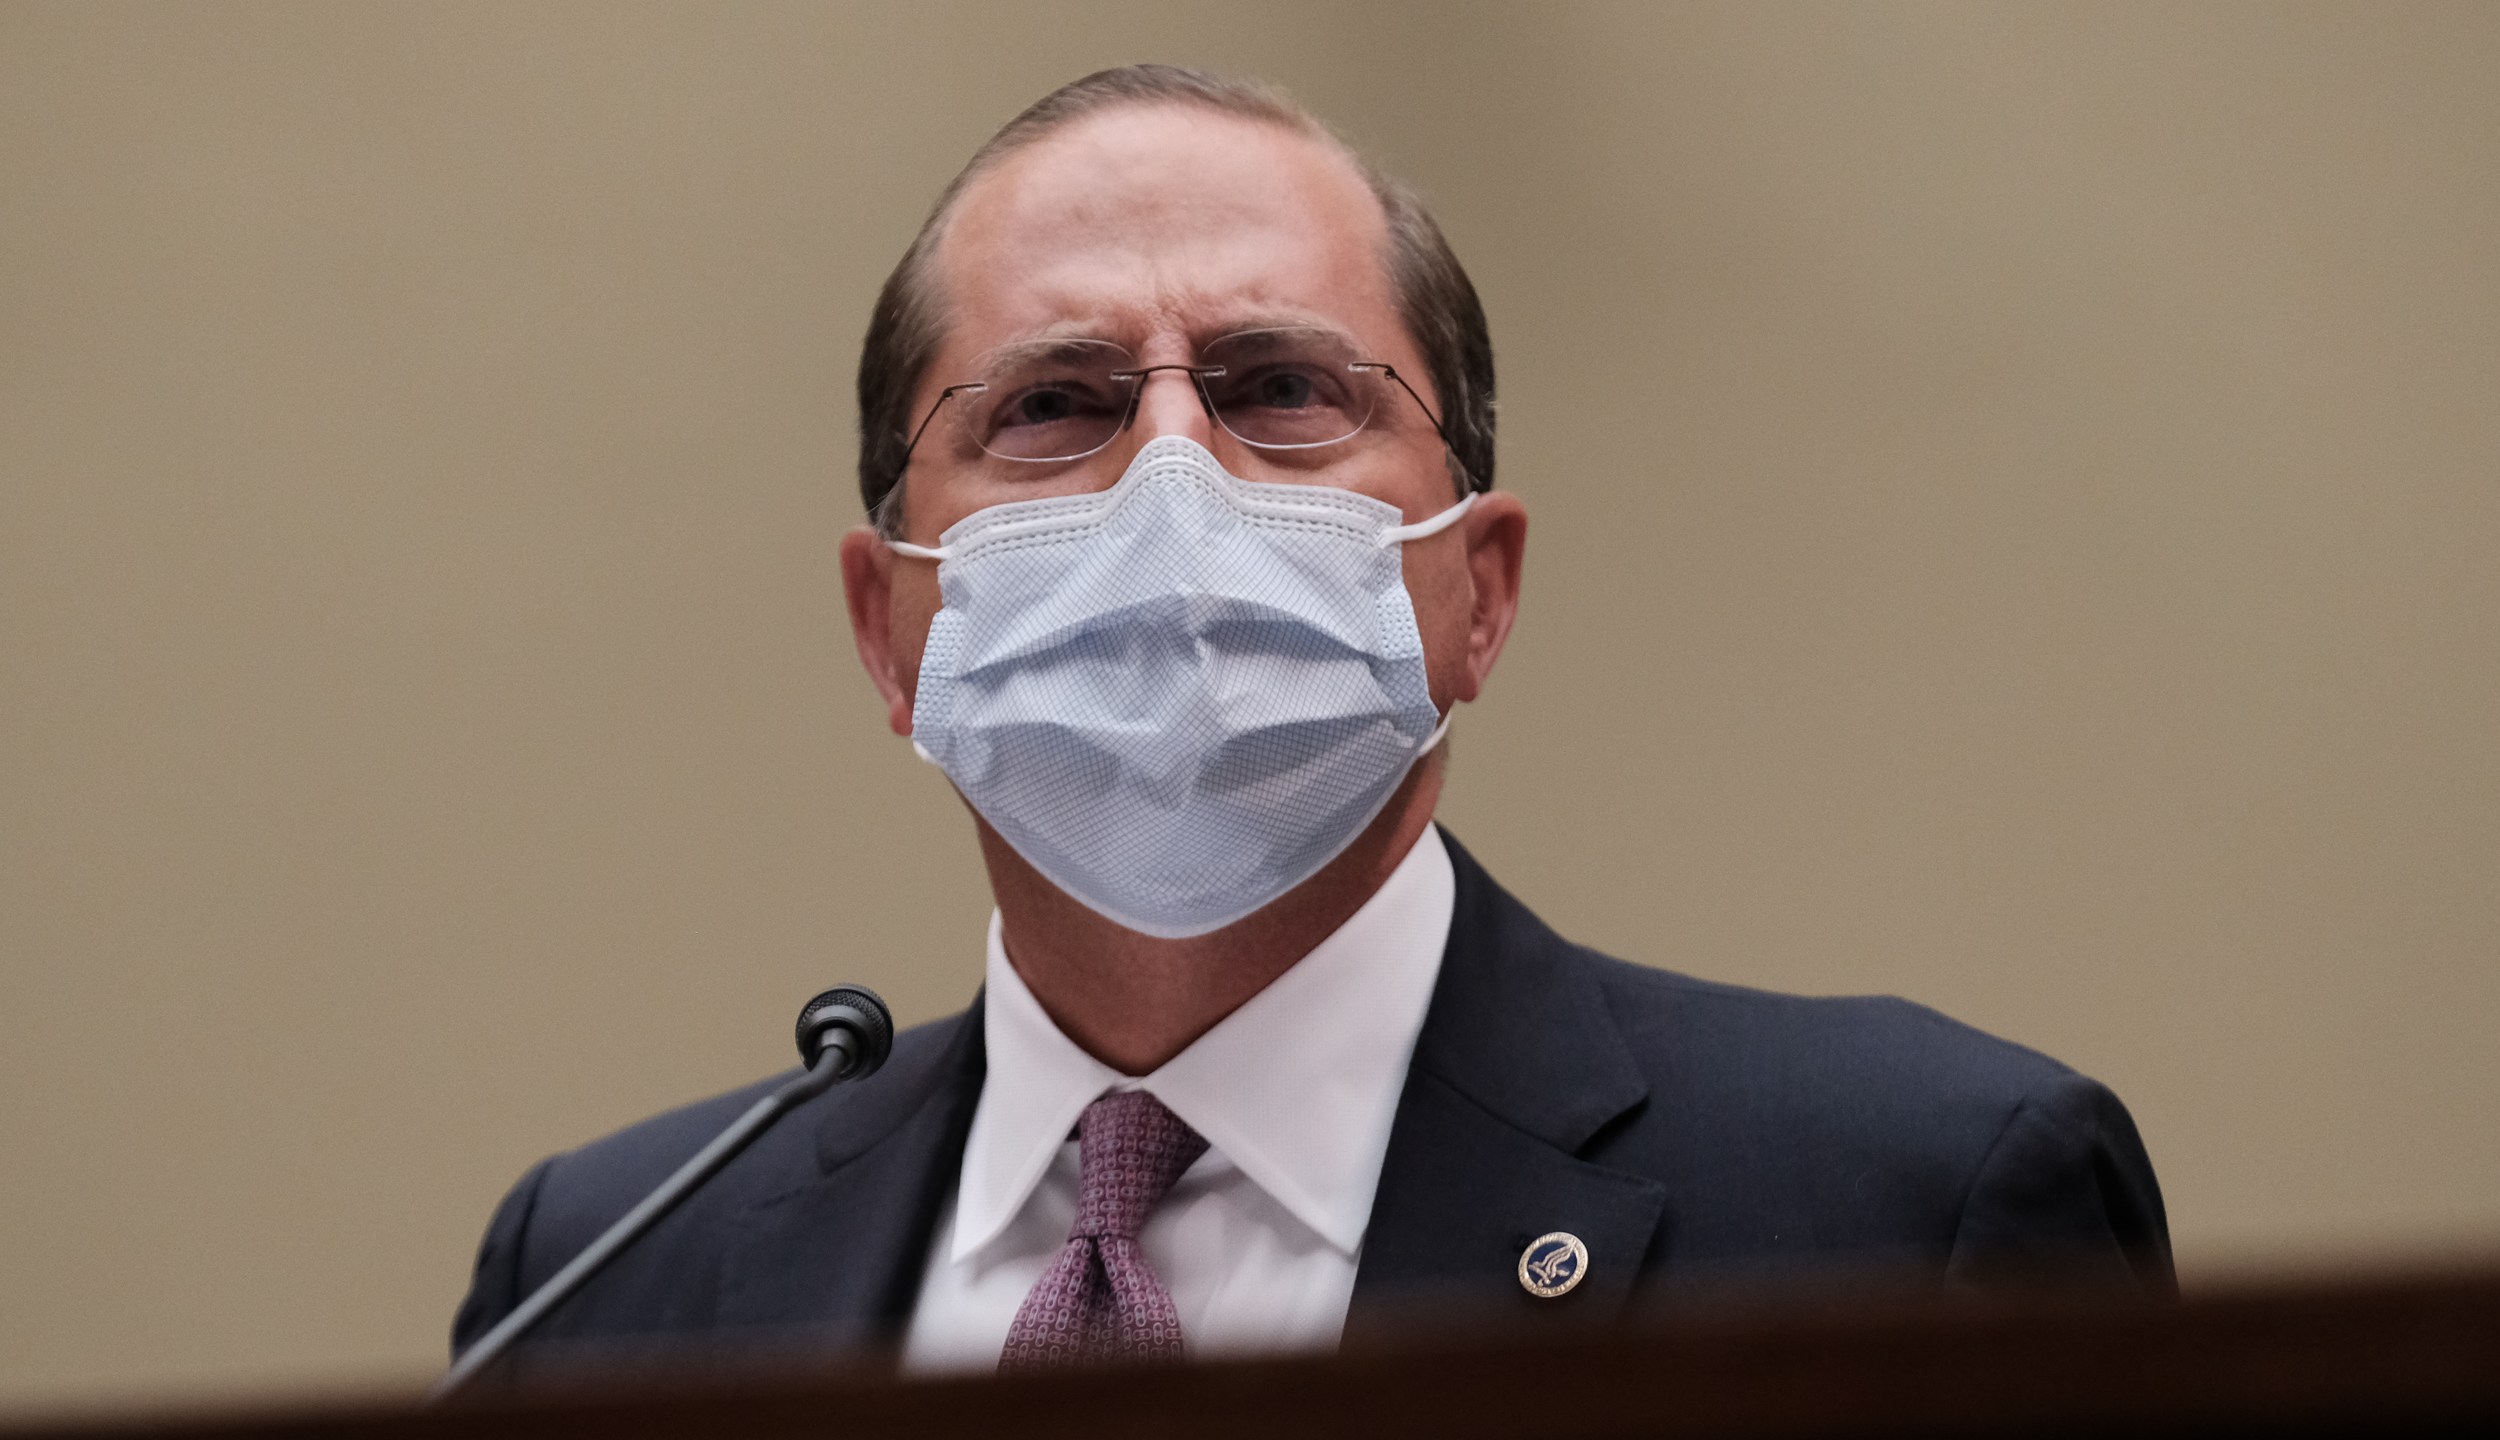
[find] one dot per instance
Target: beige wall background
(2015, 518)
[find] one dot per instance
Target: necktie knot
(1100, 1300)
(1130, 1151)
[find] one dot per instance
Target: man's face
(1160, 229)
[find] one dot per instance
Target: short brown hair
(1434, 296)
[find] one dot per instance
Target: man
(1176, 432)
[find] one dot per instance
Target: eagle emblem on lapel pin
(1552, 1264)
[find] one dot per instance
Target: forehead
(1160, 225)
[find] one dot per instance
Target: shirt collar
(1297, 1087)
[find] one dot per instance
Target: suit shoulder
(1859, 1119)
(1875, 1033)
(1732, 1041)
(1872, 1125)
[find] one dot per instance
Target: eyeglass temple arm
(1437, 427)
(949, 393)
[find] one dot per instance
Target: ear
(1496, 534)
(868, 589)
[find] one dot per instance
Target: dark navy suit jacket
(1691, 1134)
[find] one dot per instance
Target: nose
(1169, 403)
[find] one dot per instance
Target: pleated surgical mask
(1180, 697)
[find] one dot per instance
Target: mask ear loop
(1421, 529)
(1438, 731)
(920, 552)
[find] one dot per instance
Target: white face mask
(1182, 696)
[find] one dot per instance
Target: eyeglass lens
(1276, 389)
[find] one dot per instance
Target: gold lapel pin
(1552, 1264)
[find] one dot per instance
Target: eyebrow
(1066, 331)
(1274, 320)
(1048, 345)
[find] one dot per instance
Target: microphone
(852, 1020)
(844, 1034)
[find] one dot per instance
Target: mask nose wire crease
(1388, 536)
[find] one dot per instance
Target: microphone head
(856, 1011)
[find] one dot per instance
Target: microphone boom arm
(846, 1052)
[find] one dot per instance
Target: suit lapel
(840, 1256)
(1518, 1067)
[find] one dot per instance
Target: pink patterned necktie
(1099, 1300)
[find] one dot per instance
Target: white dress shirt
(1294, 1092)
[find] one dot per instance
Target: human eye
(1288, 402)
(1283, 386)
(1053, 402)
(1053, 416)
